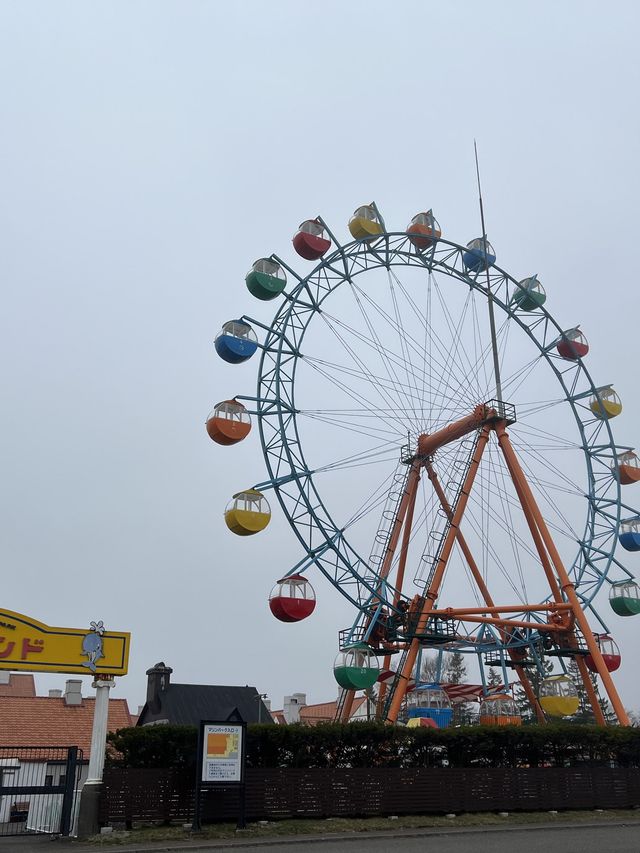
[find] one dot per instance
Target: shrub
(379, 745)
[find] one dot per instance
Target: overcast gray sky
(150, 152)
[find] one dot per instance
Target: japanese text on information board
(222, 753)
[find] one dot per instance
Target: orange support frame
(564, 610)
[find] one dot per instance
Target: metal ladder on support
(471, 445)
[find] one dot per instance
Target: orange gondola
(228, 423)
(424, 230)
(628, 466)
(499, 710)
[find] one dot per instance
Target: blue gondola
(475, 259)
(630, 534)
(236, 342)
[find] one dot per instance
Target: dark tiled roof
(188, 704)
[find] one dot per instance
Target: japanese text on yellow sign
(29, 645)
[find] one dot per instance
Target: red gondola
(310, 241)
(609, 651)
(292, 599)
(572, 344)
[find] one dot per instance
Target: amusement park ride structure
(475, 502)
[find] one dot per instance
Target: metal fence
(141, 796)
(38, 786)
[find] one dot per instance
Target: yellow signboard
(29, 645)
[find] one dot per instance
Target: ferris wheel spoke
(457, 348)
(511, 384)
(446, 352)
(393, 376)
(501, 485)
(443, 350)
(552, 440)
(545, 487)
(401, 337)
(497, 565)
(394, 357)
(376, 380)
(351, 425)
(388, 399)
(356, 395)
(377, 453)
(534, 408)
(569, 487)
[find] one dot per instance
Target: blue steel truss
(324, 542)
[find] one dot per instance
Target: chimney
(55, 694)
(267, 704)
(292, 706)
(73, 692)
(157, 681)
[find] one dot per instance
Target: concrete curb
(284, 840)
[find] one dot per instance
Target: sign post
(27, 645)
(220, 762)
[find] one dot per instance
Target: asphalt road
(610, 839)
(532, 839)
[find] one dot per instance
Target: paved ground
(552, 838)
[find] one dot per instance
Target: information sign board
(222, 753)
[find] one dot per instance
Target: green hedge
(379, 745)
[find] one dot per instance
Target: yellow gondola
(365, 223)
(248, 512)
(605, 403)
(558, 696)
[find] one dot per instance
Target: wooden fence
(132, 796)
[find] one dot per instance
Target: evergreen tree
(585, 711)
(455, 668)
(453, 671)
(456, 673)
(610, 716)
(527, 712)
(493, 678)
(584, 714)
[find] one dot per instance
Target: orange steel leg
(530, 505)
(484, 591)
(530, 518)
(404, 514)
(404, 551)
(432, 592)
(591, 693)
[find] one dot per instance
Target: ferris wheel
(452, 471)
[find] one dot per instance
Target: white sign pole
(99, 731)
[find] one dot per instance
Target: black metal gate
(38, 786)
